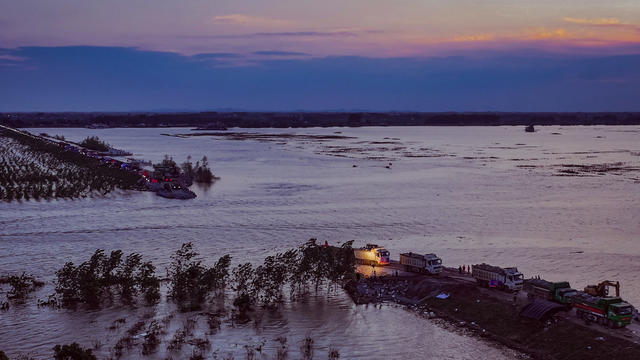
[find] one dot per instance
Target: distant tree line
(315, 119)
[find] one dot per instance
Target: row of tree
(191, 283)
(106, 279)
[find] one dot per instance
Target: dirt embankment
(494, 317)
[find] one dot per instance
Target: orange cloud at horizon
(549, 39)
(600, 21)
(549, 34)
(474, 37)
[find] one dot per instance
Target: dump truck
(609, 311)
(560, 292)
(372, 254)
(427, 263)
(496, 277)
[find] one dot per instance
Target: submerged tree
(187, 167)
(202, 172)
(103, 276)
(242, 285)
(21, 286)
(270, 278)
(310, 263)
(190, 281)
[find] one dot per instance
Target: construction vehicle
(496, 277)
(372, 254)
(427, 263)
(609, 311)
(560, 292)
(602, 289)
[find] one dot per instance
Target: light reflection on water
(472, 204)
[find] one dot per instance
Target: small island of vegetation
(94, 143)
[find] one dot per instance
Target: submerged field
(482, 194)
(32, 169)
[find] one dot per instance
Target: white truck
(493, 276)
(372, 254)
(427, 263)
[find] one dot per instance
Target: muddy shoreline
(494, 315)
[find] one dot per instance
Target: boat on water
(171, 190)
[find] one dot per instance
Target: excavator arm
(602, 289)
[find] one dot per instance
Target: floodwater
(549, 202)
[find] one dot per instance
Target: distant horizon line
(310, 112)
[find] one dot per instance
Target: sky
(413, 55)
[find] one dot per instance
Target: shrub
(152, 338)
(72, 352)
(307, 348)
(21, 286)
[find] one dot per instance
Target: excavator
(602, 289)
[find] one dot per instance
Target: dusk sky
(425, 55)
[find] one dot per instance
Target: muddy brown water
(459, 192)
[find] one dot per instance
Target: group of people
(464, 269)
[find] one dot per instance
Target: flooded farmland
(562, 203)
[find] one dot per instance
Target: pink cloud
(250, 20)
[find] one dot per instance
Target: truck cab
(620, 314)
(514, 280)
(372, 254)
(565, 295)
(382, 256)
(433, 264)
